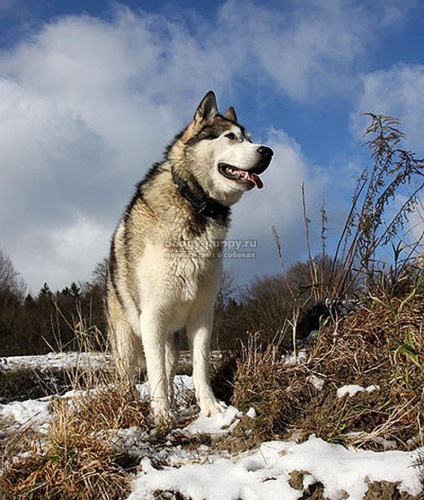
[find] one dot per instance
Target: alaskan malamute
(165, 260)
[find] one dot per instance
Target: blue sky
(91, 93)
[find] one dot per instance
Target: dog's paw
(164, 423)
(210, 406)
(163, 417)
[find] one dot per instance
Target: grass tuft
(77, 459)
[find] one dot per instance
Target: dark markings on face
(214, 130)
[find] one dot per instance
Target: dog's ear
(231, 114)
(207, 109)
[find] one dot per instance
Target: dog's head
(220, 154)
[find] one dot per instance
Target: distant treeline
(74, 318)
(70, 319)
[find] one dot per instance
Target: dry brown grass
(77, 459)
(74, 464)
(258, 383)
(381, 344)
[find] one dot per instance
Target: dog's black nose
(265, 152)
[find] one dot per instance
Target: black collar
(200, 201)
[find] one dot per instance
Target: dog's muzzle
(248, 178)
(266, 154)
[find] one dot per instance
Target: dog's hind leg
(126, 345)
(128, 350)
(173, 345)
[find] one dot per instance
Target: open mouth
(246, 177)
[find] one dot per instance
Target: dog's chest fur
(182, 251)
(198, 263)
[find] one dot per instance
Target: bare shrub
(369, 226)
(10, 280)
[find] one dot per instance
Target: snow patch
(266, 473)
(34, 412)
(317, 382)
(353, 389)
(251, 412)
(219, 423)
(294, 358)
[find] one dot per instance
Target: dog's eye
(231, 136)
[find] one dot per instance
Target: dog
(165, 261)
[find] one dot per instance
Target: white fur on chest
(173, 274)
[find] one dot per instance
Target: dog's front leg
(154, 340)
(199, 330)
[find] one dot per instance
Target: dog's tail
(126, 345)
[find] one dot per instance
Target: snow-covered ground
(265, 473)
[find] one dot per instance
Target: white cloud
(310, 48)
(397, 92)
(64, 254)
(416, 223)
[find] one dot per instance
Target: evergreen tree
(45, 291)
(75, 291)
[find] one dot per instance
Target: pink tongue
(255, 179)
